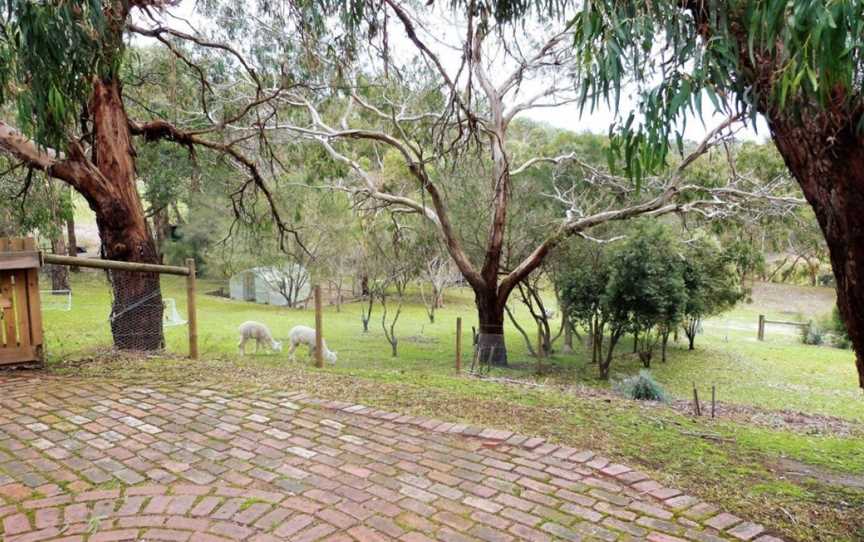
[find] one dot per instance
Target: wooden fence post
(319, 333)
(458, 345)
(761, 333)
(192, 313)
(696, 400)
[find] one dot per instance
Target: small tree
(436, 271)
(583, 292)
(530, 296)
(711, 281)
(646, 283)
(390, 327)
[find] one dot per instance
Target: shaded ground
(99, 460)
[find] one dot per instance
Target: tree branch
(161, 130)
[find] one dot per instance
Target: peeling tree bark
(107, 182)
(136, 324)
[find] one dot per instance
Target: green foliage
(647, 285)
(583, 283)
(814, 50)
(31, 203)
(49, 52)
(712, 279)
(813, 334)
(646, 281)
(838, 328)
(745, 257)
(642, 387)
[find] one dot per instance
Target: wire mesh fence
(136, 310)
(94, 311)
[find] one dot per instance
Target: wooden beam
(10, 328)
(24, 354)
(783, 323)
(112, 264)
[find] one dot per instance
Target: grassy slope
(740, 471)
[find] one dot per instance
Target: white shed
(283, 286)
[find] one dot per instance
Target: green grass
(780, 373)
(727, 461)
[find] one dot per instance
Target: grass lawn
(805, 479)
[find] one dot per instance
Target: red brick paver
(87, 460)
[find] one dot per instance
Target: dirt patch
(785, 420)
(789, 299)
(796, 469)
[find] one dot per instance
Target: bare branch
(161, 130)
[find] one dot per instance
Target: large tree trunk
(59, 273)
(490, 346)
(136, 314)
(829, 166)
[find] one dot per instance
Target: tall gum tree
(61, 66)
(799, 64)
(463, 109)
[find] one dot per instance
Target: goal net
(56, 300)
(170, 316)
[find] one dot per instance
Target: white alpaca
(259, 332)
(306, 335)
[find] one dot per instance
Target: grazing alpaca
(306, 335)
(261, 335)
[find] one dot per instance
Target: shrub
(841, 335)
(813, 334)
(842, 342)
(642, 387)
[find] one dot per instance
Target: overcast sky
(565, 117)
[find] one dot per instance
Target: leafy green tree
(583, 289)
(64, 70)
(711, 280)
(799, 64)
(646, 283)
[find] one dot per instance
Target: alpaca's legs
(291, 351)
(242, 346)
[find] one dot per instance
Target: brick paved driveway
(92, 460)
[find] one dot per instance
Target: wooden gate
(20, 308)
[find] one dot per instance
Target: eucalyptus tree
(799, 64)
(437, 115)
(63, 69)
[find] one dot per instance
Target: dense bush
(813, 334)
(711, 280)
(642, 387)
(838, 329)
(647, 284)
